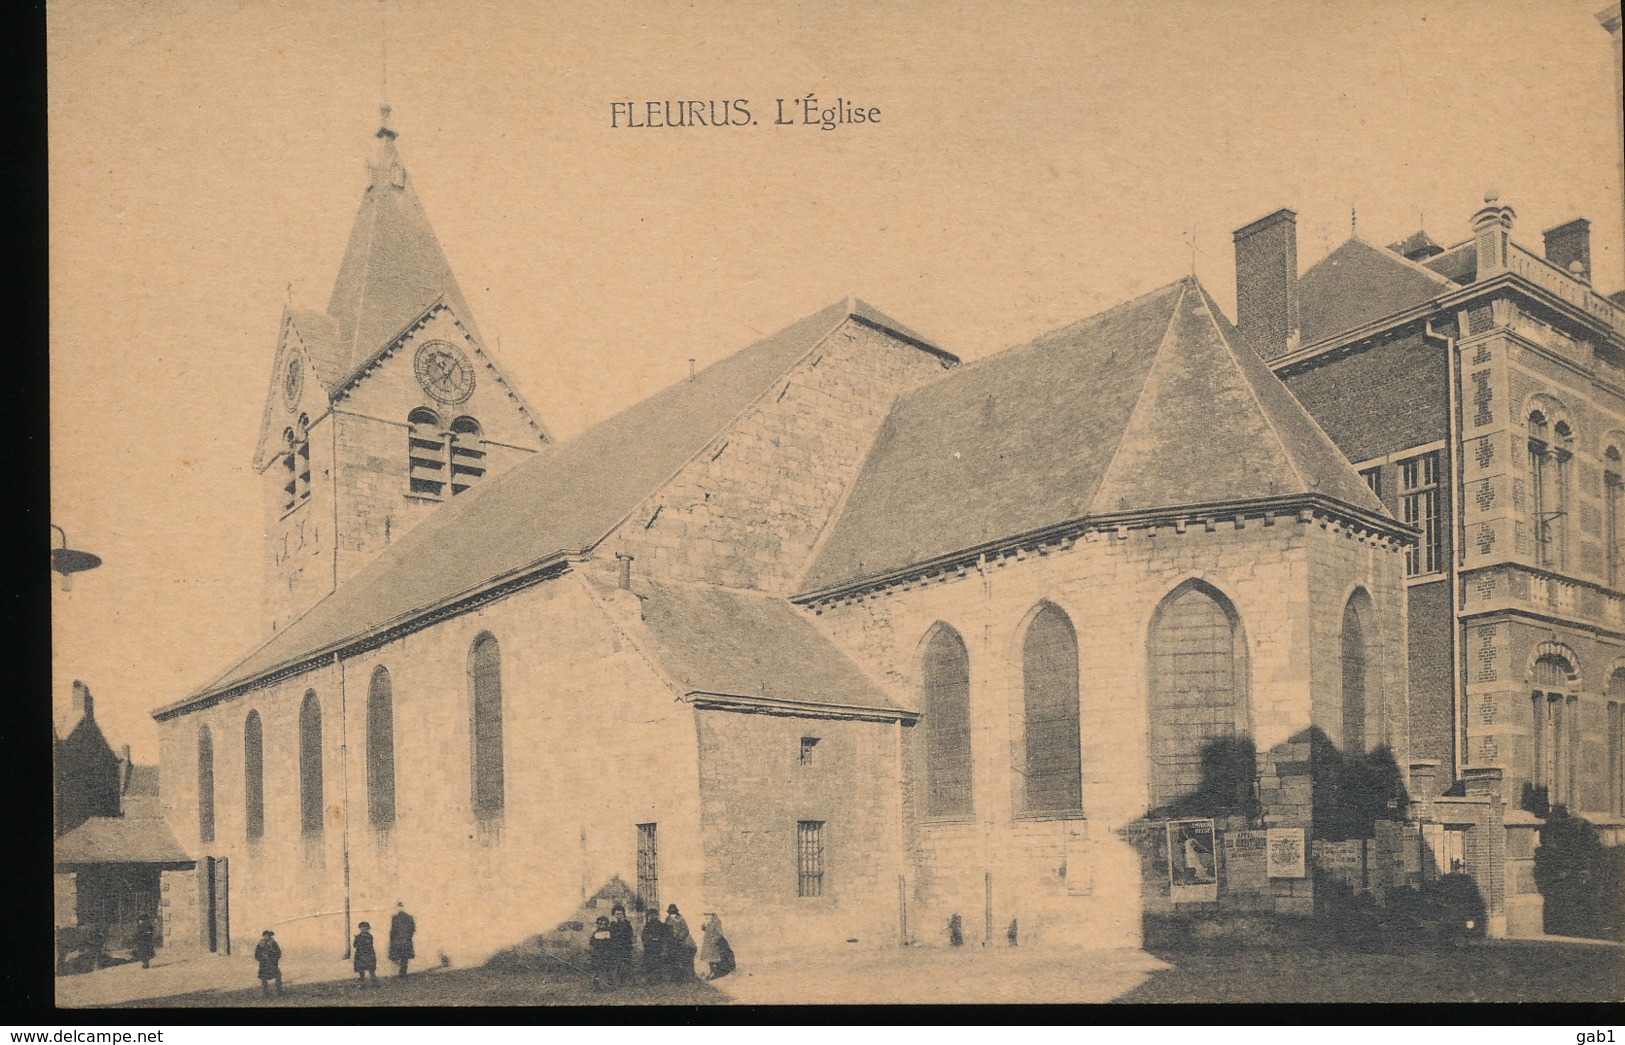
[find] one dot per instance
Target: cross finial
(1190, 241)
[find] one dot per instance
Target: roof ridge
(1394, 255)
(1140, 399)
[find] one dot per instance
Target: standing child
(269, 955)
(366, 955)
(601, 945)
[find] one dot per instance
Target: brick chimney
(1568, 243)
(1267, 283)
(83, 704)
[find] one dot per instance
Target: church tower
(380, 408)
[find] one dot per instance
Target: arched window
(485, 679)
(945, 671)
(1613, 499)
(1616, 742)
(310, 764)
(426, 453)
(1550, 450)
(1354, 661)
(1198, 687)
(254, 776)
(467, 453)
(380, 750)
(205, 785)
(1051, 771)
(1555, 710)
(290, 466)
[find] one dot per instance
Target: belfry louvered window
(467, 459)
(426, 453)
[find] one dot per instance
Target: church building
(838, 638)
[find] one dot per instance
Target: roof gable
(1357, 284)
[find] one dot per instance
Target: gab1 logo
(1592, 1037)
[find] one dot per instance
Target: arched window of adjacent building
(290, 467)
(1356, 666)
(1050, 762)
(1613, 500)
(467, 453)
(1550, 450)
(1616, 742)
(254, 776)
(426, 453)
(1554, 706)
(205, 785)
(380, 750)
(1199, 698)
(310, 764)
(945, 675)
(485, 679)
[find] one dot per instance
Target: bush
(1582, 882)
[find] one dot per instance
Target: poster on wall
(1192, 862)
(1284, 852)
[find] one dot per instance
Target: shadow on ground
(1488, 971)
(486, 986)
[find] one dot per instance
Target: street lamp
(68, 561)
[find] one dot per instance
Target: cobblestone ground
(1496, 971)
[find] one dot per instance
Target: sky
(1034, 162)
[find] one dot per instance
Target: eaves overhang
(1301, 507)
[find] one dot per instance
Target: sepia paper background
(1035, 162)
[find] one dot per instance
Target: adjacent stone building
(837, 638)
(1480, 391)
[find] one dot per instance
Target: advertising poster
(1192, 866)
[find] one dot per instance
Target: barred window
(1549, 455)
(485, 679)
(1051, 769)
(946, 673)
(810, 858)
(380, 749)
(1373, 479)
(254, 776)
(1419, 507)
(648, 868)
(1613, 492)
(205, 785)
(310, 764)
(1199, 701)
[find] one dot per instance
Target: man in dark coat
(366, 955)
(141, 945)
(401, 929)
(654, 946)
(621, 945)
(680, 946)
(269, 955)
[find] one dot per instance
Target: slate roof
(393, 268)
(1358, 283)
(121, 840)
(1459, 264)
(748, 644)
(561, 502)
(1416, 246)
(1154, 404)
(319, 332)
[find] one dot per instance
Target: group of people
(364, 953)
(668, 947)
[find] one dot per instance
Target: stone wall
(1287, 581)
(747, 511)
(594, 744)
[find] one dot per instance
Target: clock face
(292, 382)
(444, 372)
